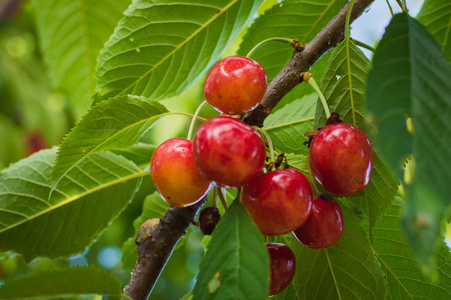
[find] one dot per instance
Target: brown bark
(154, 251)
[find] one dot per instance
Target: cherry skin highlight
(324, 225)
(283, 267)
(341, 159)
(175, 174)
(278, 201)
(235, 85)
(228, 152)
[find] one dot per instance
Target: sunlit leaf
(88, 198)
(112, 124)
(160, 48)
(299, 19)
(410, 78)
(287, 126)
(62, 282)
(236, 265)
(140, 154)
(72, 33)
(436, 15)
(346, 270)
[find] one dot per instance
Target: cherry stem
(270, 145)
(238, 194)
(308, 77)
(222, 198)
(214, 198)
(267, 41)
(362, 44)
(390, 8)
(402, 5)
(193, 121)
(313, 180)
(183, 114)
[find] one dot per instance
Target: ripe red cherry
(175, 174)
(324, 225)
(341, 159)
(283, 267)
(235, 85)
(228, 152)
(278, 201)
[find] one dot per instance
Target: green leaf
(336, 86)
(160, 48)
(298, 162)
(112, 124)
(139, 153)
(72, 33)
(88, 198)
(410, 77)
(289, 293)
(402, 272)
(236, 265)
(62, 282)
(379, 193)
(287, 126)
(188, 296)
(346, 270)
(436, 15)
(299, 19)
(153, 207)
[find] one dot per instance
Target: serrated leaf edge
(171, 53)
(92, 151)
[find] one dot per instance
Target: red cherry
(228, 152)
(341, 159)
(278, 201)
(235, 85)
(324, 225)
(283, 267)
(175, 174)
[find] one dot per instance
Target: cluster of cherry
(228, 153)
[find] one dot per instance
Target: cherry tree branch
(154, 252)
(332, 34)
(155, 249)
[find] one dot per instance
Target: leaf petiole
(362, 44)
(270, 145)
(292, 42)
(193, 121)
(220, 192)
(308, 77)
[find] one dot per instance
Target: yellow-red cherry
(235, 85)
(341, 159)
(175, 174)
